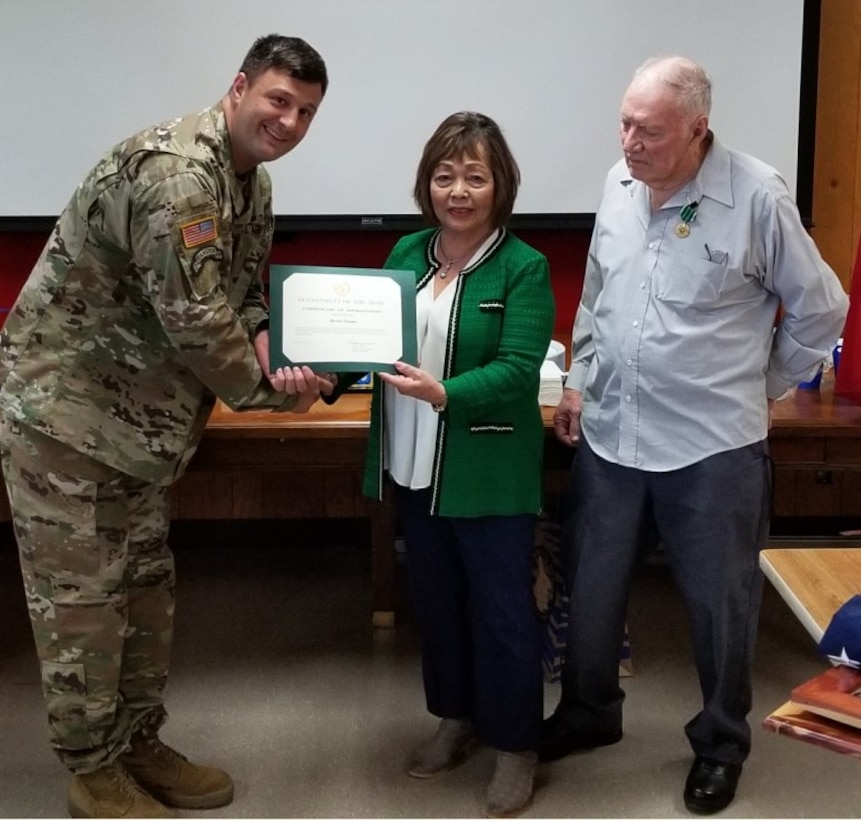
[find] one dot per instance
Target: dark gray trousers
(712, 518)
(471, 587)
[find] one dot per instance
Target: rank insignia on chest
(198, 231)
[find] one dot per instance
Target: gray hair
(687, 80)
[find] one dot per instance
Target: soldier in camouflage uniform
(145, 305)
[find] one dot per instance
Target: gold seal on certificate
(353, 319)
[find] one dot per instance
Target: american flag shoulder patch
(199, 231)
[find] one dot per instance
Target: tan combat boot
(171, 778)
(111, 792)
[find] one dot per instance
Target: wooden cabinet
(815, 444)
(817, 476)
(274, 478)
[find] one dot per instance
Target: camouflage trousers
(100, 586)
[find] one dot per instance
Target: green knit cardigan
(490, 442)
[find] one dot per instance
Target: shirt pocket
(252, 239)
(479, 331)
(696, 284)
(65, 690)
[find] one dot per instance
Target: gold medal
(682, 230)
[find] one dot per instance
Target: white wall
(77, 76)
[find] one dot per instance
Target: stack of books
(824, 711)
(834, 694)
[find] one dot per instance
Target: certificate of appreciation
(353, 319)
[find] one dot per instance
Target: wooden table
(257, 464)
(262, 465)
(814, 582)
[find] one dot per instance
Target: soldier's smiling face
(268, 116)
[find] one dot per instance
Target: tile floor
(279, 677)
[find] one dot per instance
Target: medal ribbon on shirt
(687, 214)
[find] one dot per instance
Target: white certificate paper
(342, 318)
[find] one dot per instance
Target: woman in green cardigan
(461, 439)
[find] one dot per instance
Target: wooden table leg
(383, 561)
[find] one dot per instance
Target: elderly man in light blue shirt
(677, 360)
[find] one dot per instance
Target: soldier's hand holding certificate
(348, 319)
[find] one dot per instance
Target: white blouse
(411, 424)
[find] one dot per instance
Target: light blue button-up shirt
(675, 346)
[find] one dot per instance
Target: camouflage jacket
(144, 303)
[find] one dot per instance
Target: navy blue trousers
(471, 586)
(712, 519)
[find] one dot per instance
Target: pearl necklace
(456, 259)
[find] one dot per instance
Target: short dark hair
(460, 135)
(290, 54)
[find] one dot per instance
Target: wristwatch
(438, 408)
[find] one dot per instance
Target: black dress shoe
(558, 739)
(711, 785)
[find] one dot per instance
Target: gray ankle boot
(510, 790)
(450, 746)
